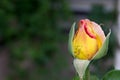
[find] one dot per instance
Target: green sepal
(103, 50)
(112, 75)
(71, 35)
(81, 66)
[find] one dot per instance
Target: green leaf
(81, 66)
(71, 35)
(103, 50)
(112, 75)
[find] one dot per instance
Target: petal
(84, 46)
(103, 50)
(99, 31)
(88, 26)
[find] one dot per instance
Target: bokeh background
(34, 37)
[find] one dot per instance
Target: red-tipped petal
(88, 32)
(98, 30)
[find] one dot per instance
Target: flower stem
(87, 74)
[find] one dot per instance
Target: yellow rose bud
(87, 40)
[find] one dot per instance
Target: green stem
(87, 74)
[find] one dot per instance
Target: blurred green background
(34, 35)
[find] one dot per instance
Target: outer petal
(96, 31)
(99, 31)
(103, 50)
(84, 46)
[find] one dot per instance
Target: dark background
(34, 37)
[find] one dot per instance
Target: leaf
(71, 35)
(112, 75)
(81, 66)
(103, 50)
